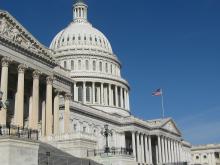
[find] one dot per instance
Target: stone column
(110, 95)
(125, 99)
(142, 148)
(128, 100)
(169, 150)
(178, 151)
(75, 92)
(4, 88)
(150, 149)
(35, 102)
(121, 97)
(102, 94)
(84, 92)
(159, 150)
(175, 152)
(166, 150)
(157, 154)
(93, 92)
(116, 96)
(138, 147)
(134, 145)
(19, 110)
(163, 150)
(56, 107)
(67, 113)
(146, 149)
(43, 122)
(49, 105)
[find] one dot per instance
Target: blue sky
(170, 44)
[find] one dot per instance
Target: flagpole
(162, 104)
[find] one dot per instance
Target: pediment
(14, 32)
(171, 127)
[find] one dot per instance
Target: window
(88, 94)
(79, 64)
(90, 38)
(73, 38)
(94, 65)
(100, 66)
(80, 94)
(79, 38)
(204, 157)
(72, 65)
(87, 65)
(111, 69)
(65, 64)
(85, 38)
(197, 157)
(84, 129)
(96, 94)
(106, 67)
(74, 127)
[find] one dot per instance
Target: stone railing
(70, 136)
(19, 132)
(112, 152)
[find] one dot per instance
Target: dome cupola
(80, 11)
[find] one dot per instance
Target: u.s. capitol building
(69, 91)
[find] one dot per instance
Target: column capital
(36, 74)
(5, 61)
(68, 96)
(22, 68)
(57, 91)
(50, 80)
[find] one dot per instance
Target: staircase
(49, 155)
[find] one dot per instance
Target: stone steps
(58, 157)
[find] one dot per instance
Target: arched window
(65, 65)
(87, 65)
(94, 65)
(106, 67)
(79, 65)
(72, 65)
(88, 94)
(100, 66)
(80, 93)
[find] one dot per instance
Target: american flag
(157, 92)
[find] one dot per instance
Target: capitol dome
(80, 34)
(87, 54)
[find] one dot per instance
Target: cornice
(15, 36)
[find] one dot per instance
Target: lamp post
(106, 132)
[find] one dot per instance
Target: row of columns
(108, 94)
(48, 120)
(169, 150)
(142, 149)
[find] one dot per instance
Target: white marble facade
(206, 154)
(72, 89)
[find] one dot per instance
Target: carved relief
(12, 33)
(22, 68)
